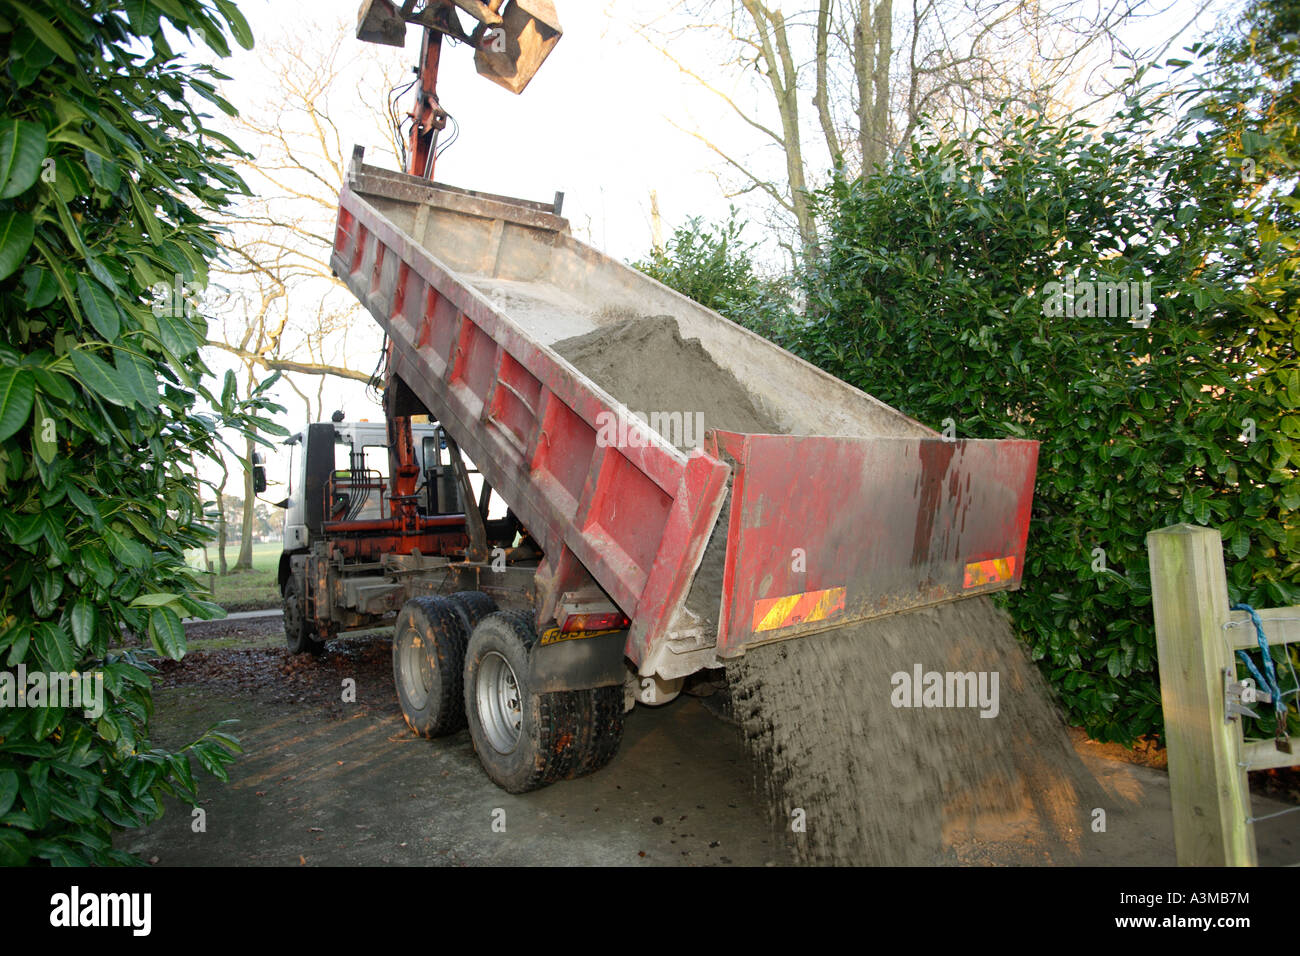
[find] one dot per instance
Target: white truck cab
(354, 442)
(356, 445)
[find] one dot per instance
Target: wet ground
(329, 781)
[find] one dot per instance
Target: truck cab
(349, 446)
(356, 547)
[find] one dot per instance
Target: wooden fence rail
(1197, 637)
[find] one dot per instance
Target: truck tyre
(523, 740)
(429, 641)
(604, 729)
(298, 633)
(474, 605)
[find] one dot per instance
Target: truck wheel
(429, 641)
(475, 606)
(523, 740)
(298, 632)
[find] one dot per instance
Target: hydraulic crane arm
(511, 40)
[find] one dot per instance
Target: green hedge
(714, 265)
(107, 167)
(961, 283)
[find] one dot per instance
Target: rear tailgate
(825, 531)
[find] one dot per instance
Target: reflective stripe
(993, 571)
(773, 613)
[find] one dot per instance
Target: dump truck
(622, 555)
(623, 562)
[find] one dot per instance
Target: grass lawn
(248, 590)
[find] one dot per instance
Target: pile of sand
(647, 365)
(881, 784)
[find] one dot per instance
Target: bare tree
(872, 71)
(287, 311)
(275, 304)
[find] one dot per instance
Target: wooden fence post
(1189, 594)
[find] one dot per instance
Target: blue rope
(1269, 681)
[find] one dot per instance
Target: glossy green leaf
(39, 287)
(84, 618)
(99, 308)
(8, 790)
(15, 847)
(100, 377)
(45, 31)
(136, 378)
(17, 230)
(167, 633)
(17, 392)
(22, 148)
(44, 432)
(239, 27)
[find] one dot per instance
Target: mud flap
(577, 661)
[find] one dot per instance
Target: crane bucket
(379, 21)
(511, 52)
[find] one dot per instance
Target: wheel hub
(417, 676)
(500, 704)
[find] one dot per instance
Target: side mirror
(259, 474)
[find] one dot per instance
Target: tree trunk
(821, 95)
(656, 223)
(783, 76)
(222, 567)
(873, 39)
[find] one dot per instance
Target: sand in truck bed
(647, 365)
(861, 780)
